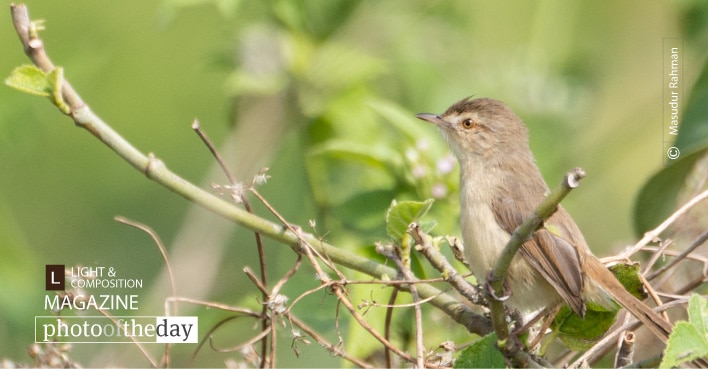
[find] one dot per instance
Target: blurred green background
(323, 93)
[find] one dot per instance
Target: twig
(219, 306)
(344, 300)
(625, 354)
(311, 291)
(407, 275)
(213, 305)
(338, 289)
(663, 245)
(440, 263)
(399, 282)
(388, 359)
(654, 234)
(496, 280)
(610, 337)
(240, 198)
(297, 231)
(698, 242)
(334, 349)
(259, 337)
(34, 48)
(368, 304)
(196, 126)
(160, 246)
(544, 210)
(694, 257)
(138, 344)
(252, 276)
(156, 170)
(692, 285)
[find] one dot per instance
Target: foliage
(344, 101)
(582, 333)
(658, 198)
(689, 340)
(481, 354)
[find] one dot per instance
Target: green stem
(157, 171)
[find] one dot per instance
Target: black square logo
(54, 277)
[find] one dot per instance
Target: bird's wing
(550, 250)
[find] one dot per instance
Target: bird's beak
(433, 118)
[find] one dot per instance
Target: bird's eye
(468, 123)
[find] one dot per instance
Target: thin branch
(288, 275)
(399, 282)
(157, 171)
(625, 354)
(160, 246)
(388, 359)
(369, 304)
(334, 349)
(34, 48)
(610, 337)
(137, 343)
(252, 276)
(654, 234)
(163, 252)
(496, 280)
(196, 126)
(440, 263)
(259, 337)
(408, 276)
(698, 242)
(542, 212)
(309, 251)
(341, 294)
(663, 245)
(215, 305)
(311, 291)
(239, 198)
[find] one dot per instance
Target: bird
(500, 185)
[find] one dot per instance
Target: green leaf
(401, 119)
(657, 199)
(319, 19)
(31, 80)
(401, 214)
(363, 210)
(628, 275)
(698, 313)
(580, 334)
(481, 354)
(689, 340)
(367, 154)
(242, 83)
(693, 132)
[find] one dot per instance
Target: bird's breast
(483, 237)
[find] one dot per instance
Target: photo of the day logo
(101, 329)
(54, 277)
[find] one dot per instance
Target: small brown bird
(500, 185)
